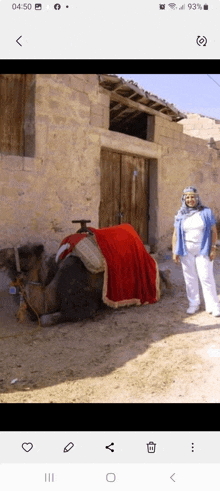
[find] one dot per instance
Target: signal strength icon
(172, 6)
(183, 7)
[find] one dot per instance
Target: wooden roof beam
(119, 115)
(147, 96)
(138, 106)
(122, 121)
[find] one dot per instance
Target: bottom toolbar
(97, 477)
(77, 447)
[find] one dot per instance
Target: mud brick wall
(185, 161)
(41, 195)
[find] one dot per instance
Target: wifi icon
(172, 6)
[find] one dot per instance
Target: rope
(23, 293)
(18, 267)
(18, 283)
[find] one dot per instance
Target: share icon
(108, 447)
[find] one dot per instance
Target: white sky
(189, 93)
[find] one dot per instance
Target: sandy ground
(151, 354)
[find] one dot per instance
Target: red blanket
(131, 274)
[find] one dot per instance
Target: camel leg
(48, 320)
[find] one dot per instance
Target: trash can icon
(151, 447)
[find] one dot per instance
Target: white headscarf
(186, 211)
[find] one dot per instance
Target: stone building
(95, 147)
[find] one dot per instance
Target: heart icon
(27, 446)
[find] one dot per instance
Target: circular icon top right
(201, 40)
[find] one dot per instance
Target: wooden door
(134, 193)
(17, 114)
(110, 188)
(12, 90)
(124, 191)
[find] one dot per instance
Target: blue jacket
(209, 220)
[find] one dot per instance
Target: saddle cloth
(131, 275)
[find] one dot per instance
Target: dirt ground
(150, 354)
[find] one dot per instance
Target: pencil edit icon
(68, 447)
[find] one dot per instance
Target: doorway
(124, 191)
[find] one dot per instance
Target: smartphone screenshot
(94, 304)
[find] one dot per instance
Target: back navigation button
(17, 41)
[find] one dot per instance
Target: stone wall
(201, 127)
(41, 195)
(184, 161)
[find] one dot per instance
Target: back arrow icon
(171, 477)
(17, 41)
